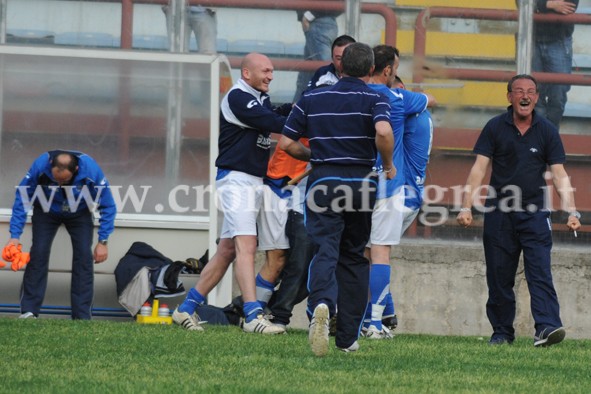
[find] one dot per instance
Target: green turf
(59, 355)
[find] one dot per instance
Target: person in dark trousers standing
(62, 187)
(521, 145)
(320, 30)
(553, 53)
(294, 277)
(347, 125)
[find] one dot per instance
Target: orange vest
(282, 164)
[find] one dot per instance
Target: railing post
(126, 23)
(525, 36)
(352, 18)
(3, 21)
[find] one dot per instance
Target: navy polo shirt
(339, 121)
(519, 161)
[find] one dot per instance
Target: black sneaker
(390, 321)
(500, 341)
(549, 336)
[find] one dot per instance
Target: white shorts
(387, 219)
(408, 217)
(240, 197)
(272, 220)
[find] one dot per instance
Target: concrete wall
(440, 288)
(178, 241)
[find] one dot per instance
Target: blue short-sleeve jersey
(403, 104)
(417, 141)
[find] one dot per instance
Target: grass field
(59, 355)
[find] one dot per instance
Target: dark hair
(521, 76)
(357, 60)
(397, 78)
(384, 56)
(70, 166)
(342, 41)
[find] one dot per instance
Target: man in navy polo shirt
(347, 125)
(521, 145)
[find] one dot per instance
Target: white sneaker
(372, 332)
(188, 322)
(318, 331)
(27, 315)
(261, 325)
(353, 348)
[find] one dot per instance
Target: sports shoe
(390, 321)
(318, 331)
(262, 325)
(27, 315)
(495, 341)
(549, 336)
(372, 332)
(188, 322)
(353, 348)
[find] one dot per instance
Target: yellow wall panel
(471, 93)
(490, 4)
(489, 46)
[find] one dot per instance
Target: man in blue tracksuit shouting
(63, 187)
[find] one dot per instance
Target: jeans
(293, 288)
(45, 225)
(323, 31)
(553, 57)
(204, 25)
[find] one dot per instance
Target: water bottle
(163, 311)
(146, 309)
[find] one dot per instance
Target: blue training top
(43, 191)
(403, 103)
(519, 160)
(351, 105)
(418, 139)
(324, 76)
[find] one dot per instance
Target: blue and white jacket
(39, 188)
(247, 120)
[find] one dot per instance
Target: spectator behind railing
(553, 52)
(199, 20)
(320, 29)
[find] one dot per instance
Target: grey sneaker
(353, 348)
(549, 336)
(318, 331)
(262, 325)
(27, 315)
(188, 322)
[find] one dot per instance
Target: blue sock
(193, 300)
(264, 290)
(389, 310)
(251, 310)
(379, 284)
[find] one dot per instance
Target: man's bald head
(257, 71)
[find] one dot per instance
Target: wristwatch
(575, 214)
(103, 242)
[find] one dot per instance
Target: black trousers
(339, 205)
